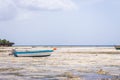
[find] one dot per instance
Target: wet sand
(66, 63)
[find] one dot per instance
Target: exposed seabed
(67, 65)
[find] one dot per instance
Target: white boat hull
(34, 55)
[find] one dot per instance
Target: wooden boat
(38, 53)
(117, 47)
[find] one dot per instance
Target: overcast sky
(60, 22)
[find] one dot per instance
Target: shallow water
(61, 66)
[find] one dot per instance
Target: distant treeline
(4, 42)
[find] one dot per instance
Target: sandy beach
(66, 63)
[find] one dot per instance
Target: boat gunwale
(34, 51)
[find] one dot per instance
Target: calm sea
(66, 45)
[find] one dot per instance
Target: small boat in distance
(37, 53)
(117, 47)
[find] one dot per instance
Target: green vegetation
(5, 42)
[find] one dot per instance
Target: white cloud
(90, 2)
(46, 4)
(7, 10)
(10, 8)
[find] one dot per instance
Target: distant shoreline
(64, 45)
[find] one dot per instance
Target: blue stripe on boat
(32, 52)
